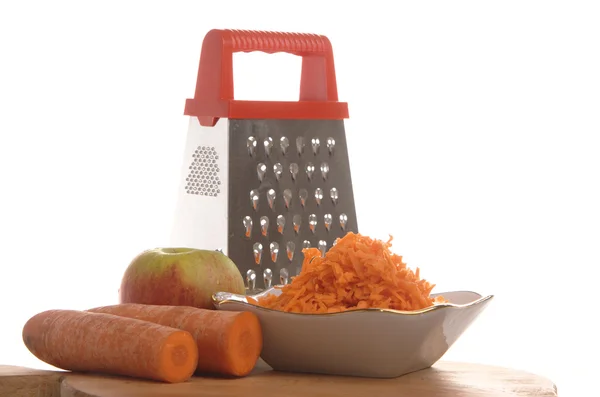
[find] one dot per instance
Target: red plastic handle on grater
(214, 99)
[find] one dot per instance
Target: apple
(179, 277)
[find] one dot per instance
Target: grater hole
(324, 170)
(264, 226)
(306, 244)
(297, 223)
(261, 170)
(343, 221)
(310, 170)
(251, 145)
(290, 247)
(257, 249)
(268, 278)
(203, 178)
(278, 170)
(274, 249)
(322, 247)
(327, 221)
(247, 222)
(294, 170)
(315, 143)
(334, 195)
(251, 279)
(284, 143)
(287, 198)
(284, 276)
(312, 223)
(330, 144)
(303, 195)
(254, 198)
(280, 224)
(300, 145)
(271, 195)
(268, 143)
(318, 195)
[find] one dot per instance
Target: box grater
(262, 180)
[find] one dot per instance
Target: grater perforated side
(290, 188)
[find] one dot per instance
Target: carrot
(229, 343)
(94, 342)
(358, 272)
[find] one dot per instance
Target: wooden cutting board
(443, 379)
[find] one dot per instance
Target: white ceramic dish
(369, 343)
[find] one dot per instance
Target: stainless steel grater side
(262, 180)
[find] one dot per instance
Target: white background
(473, 141)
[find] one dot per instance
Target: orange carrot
(93, 342)
(229, 343)
(357, 273)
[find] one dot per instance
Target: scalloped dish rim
(241, 299)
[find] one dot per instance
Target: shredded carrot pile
(357, 273)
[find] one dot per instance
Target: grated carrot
(357, 273)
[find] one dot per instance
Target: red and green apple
(179, 277)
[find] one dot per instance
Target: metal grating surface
(290, 188)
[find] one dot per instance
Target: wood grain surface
(26, 382)
(443, 379)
